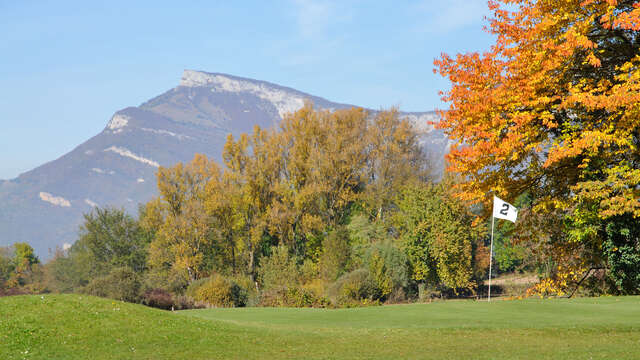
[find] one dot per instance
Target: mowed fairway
(81, 327)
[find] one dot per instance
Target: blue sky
(67, 66)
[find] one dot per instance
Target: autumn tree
(552, 109)
(323, 160)
(333, 160)
(24, 266)
(252, 170)
(222, 195)
(396, 159)
(183, 240)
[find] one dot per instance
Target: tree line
(333, 208)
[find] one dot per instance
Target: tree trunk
(233, 257)
(251, 263)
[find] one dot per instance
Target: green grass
(81, 327)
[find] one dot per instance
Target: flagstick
(493, 219)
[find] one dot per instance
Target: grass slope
(81, 327)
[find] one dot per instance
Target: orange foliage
(539, 100)
(552, 109)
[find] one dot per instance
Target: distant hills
(117, 167)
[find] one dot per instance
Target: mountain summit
(117, 167)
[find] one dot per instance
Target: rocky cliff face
(117, 167)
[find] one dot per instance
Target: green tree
(439, 236)
(110, 238)
(622, 250)
(6, 265)
(336, 253)
(121, 283)
(388, 264)
(64, 274)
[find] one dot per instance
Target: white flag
(504, 210)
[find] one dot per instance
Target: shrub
(248, 288)
(182, 302)
(162, 299)
(158, 298)
(380, 274)
(397, 296)
(64, 274)
(192, 289)
(12, 291)
(120, 284)
(335, 254)
(169, 279)
(279, 270)
(622, 250)
(292, 297)
(317, 287)
(355, 286)
(392, 264)
(219, 291)
(308, 271)
(6, 264)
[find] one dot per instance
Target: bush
(380, 274)
(279, 270)
(318, 287)
(6, 264)
(120, 284)
(622, 250)
(162, 299)
(335, 255)
(158, 298)
(219, 291)
(169, 279)
(182, 302)
(309, 271)
(509, 257)
(12, 291)
(355, 286)
(64, 274)
(248, 286)
(192, 289)
(293, 297)
(388, 266)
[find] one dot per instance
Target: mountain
(117, 167)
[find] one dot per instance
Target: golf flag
(501, 210)
(504, 210)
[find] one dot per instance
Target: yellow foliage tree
(183, 235)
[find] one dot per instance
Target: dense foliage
(552, 110)
(332, 209)
(20, 270)
(442, 244)
(296, 209)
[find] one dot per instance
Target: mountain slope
(117, 167)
